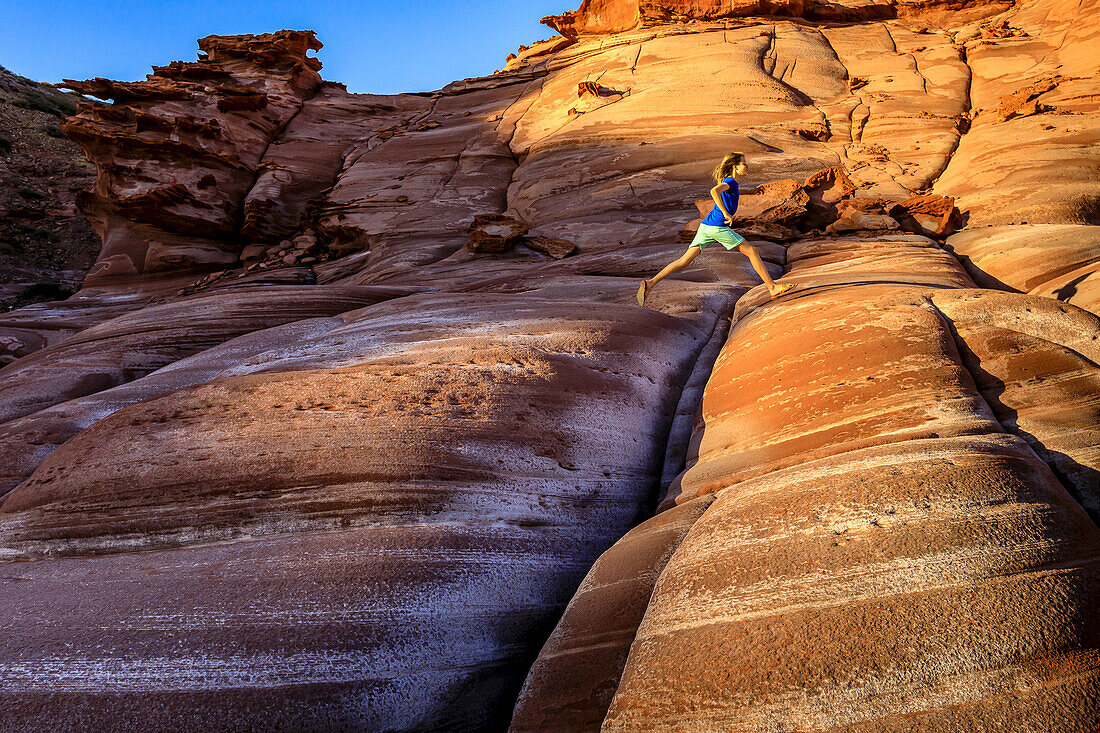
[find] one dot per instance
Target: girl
(716, 228)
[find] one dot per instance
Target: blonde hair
(725, 168)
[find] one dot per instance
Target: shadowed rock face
(571, 684)
(304, 159)
(434, 464)
(45, 244)
(300, 459)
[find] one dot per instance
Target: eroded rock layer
(307, 456)
(45, 244)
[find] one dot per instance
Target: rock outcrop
(480, 448)
(494, 233)
(177, 153)
(1029, 158)
(829, 544)
(304, 159)
(298, 458)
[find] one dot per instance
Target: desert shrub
(66, 105)
(5, 144)
(36, 101)
(30, 194)
(58, 106)
(54, 131)
(33, 232)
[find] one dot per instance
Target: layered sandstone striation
(357, 424)
(424, 480)
(829, 544)
(1060, 261)
(1026, 170)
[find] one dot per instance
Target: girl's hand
(729, 221)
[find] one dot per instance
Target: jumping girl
(716, 228)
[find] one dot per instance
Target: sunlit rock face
(301, 457)
(612, 16)
(848, 566)
(1060, 261)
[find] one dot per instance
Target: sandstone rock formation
(494, 233)
(1030, 155)
(297, 458)
(556, 248)
(177, 152)
(829, 543)
(479, 447)
(613, 16)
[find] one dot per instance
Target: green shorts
(724, 235)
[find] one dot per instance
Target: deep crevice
(675, 454)
(511, 139)
(260, 164)
(964, 120)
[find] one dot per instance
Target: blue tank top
(729, 199)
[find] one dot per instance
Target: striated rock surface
(571, 684)
(556, 248)
(1060, 261)
(68, 388)
(408, 198)
(479, 448)
(299, 459)
(861, 593)
(612, 16)
(1032, 165)
(1027, 166)
(135, 344)
(305, 158)
(914, 515)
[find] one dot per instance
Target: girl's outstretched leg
(758, 265)
(675, 266)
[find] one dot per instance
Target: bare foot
(643, 292)
(784, 288)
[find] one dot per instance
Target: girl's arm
(718, 201)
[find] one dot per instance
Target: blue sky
(370, 45)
